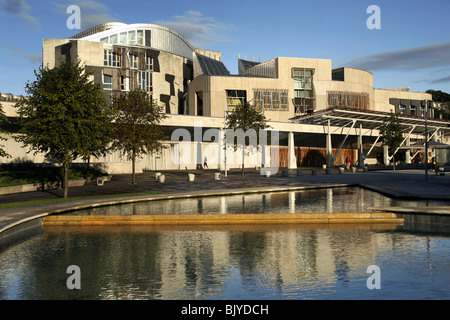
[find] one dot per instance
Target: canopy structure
(340, 117)
(372, 120)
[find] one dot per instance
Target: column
(360, 149)
(330, 160)
(386, 155)
(408, 151)
(292, 161)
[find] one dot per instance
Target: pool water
(233, 262)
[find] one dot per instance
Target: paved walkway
(406, 184)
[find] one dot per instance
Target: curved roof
(162, 38)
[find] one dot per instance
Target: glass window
(131, 37)
(140, 37)
(134, 61)
(123, 38)
(413, 110)
(113, 39)
(104, 40)
(402, 109)
(149, 62)
(111, 58)
(145, 81)
(422, 111)
(107, 82)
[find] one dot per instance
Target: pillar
(360, 149)
(330, 160)
(386, 155)
(408, 151)
(292, 161)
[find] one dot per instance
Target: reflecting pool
(234, 262)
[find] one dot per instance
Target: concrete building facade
(196, 89)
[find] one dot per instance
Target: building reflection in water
(224, 262)
(308, 201)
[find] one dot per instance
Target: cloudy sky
(412, 48)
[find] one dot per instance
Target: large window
(235, 98)
(145, 81)
(271, 99)
(111, 58)
(303, 82)
(149, 62)
(134, 61)
(345, 99)
(401, 109)
(107, 82)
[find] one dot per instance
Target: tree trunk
(66, 179)
(133, 171)
(393, 161)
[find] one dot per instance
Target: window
(345, 99)
(132, 37)
(123, 38)
(107, 82)
(104, 40)
(140, 37)
(149, 62)
(145, 81)
(271, 99)
(422, 111)
(401, 109)
(134, 61)
(303, 82)
(124, 83)
(113, 39)
(235, 98)
(413, 110)
(111, 58)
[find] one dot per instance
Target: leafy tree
(391, 134)
(439, 96)
(137, 120)
(3, 121)
(246, 117)
(65, 115)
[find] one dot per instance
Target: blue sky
(412, 48)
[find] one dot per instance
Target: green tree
(64, 115)
(247, 118)
(137, 120)
(3, 121)
(391, 134)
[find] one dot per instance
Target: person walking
(205, 163)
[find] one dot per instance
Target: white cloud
(196, 28)
(20, 9)
(33, 58)
(435, 55)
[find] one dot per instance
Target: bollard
(217, 176)
(157, 174)
(341, 170)
(162, 178)
(267, 174)
(191, 176)
(353, 169)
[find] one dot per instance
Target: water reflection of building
(308, 201)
